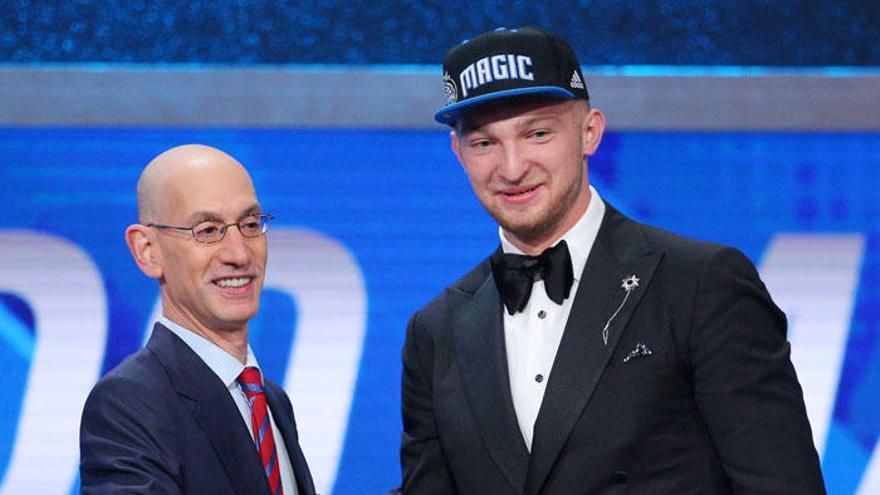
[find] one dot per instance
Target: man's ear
(144, 250)
(592, 130)
(456, 146)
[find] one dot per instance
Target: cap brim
(450, 113)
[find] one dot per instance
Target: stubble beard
(545, 223)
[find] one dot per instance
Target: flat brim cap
(508, 62)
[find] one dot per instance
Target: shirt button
(539, 378)
(542, 314)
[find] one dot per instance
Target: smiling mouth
(233, 282)
(520, 191)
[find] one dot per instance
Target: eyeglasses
(211, 231)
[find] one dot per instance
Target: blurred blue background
(394, 198)
(612, 32)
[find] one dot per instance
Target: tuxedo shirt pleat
(532, 336)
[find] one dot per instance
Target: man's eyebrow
(200, 216)
(203, 215)
(254, 209)
(529, 122)
(465, 128)
(468, 126)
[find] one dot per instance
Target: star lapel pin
(628, 284)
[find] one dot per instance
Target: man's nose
(514, 164)
(234, 247)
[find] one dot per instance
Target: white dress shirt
(532, 336)
(227, 368)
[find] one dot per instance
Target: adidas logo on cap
(576, 81)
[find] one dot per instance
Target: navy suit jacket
(163, 423)
(694, 392)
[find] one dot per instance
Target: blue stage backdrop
(370, 225)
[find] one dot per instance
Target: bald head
(177, 172)
(208, 287)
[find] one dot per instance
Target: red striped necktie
(252, 384)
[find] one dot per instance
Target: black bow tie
(515, 273)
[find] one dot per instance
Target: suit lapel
(482, 362)
(287, 426)
(619, 252)
(213, 410)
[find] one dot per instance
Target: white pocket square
(641, 349)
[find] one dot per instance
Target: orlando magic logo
(495, 68)
(450, 89)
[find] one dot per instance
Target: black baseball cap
(508, 62)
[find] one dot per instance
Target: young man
(190, 413)
(590, 353)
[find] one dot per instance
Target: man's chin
(233, 321)
(524, 231)
(529, 226)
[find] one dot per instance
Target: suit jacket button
(620, 477)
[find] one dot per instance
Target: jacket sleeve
(745, 385)
(127, 442)
(425, 467)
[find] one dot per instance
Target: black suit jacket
(714, 407)
(163, 423)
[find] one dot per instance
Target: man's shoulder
(469, 284)
(678, 245)
(674, 246)
(138, 375)
(135, 396)
(686, 258)
(142, 378)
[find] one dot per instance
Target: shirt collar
(580, 237)
(223, 364)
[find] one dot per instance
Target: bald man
(190, 412)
